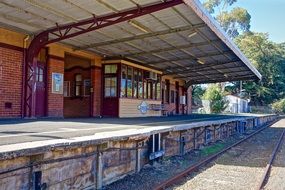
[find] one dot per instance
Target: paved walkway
(20, 131)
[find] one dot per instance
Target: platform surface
(19, 134)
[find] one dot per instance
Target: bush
(216, 97)
(279, 106)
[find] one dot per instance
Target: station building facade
(82, 84)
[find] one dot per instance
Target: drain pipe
(24, 73)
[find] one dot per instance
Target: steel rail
(269, 164)
(196, 166)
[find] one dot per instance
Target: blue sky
(266, 16)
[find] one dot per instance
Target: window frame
(111, 87)
(78, 83)
(131, 93)
(167, 91)
(140, 85)
(172, 97)
(125, 82)
(107, 75)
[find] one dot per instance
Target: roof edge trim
(198, 8)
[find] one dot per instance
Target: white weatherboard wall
(130, 108)
(236, 104)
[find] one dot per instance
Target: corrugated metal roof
(184, 40)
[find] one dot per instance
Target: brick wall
(189, 100)
(96, 81)
(171, 107)
(11, 62)
(55, 101)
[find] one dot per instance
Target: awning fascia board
(198, 8)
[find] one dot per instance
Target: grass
(212, 149)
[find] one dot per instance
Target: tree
(216, 98)
(269, 58)
(279, 106)
(197, 94)
(235, 21)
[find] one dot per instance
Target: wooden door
(111, 87)
(41, 89)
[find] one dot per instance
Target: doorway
(41, 82)
(77, 86)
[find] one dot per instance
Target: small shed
(237, 104)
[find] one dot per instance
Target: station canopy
(182, 40)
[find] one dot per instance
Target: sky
(266, 16)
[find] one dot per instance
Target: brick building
(141, 61)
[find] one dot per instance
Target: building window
(78, 84)
(39, 74)
(136, 84)
(130, 82)
(172, 96)
(167, 91)
(145, 89)
(87, 86)
(158, 88)
(110, 87)
(140, 85)
(149, 90)
(136, 80)
(66, 89)
(162, 96)
(110, 69)
(124, 81)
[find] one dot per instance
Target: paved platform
(19, 131)
(39, 135)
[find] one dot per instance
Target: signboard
(155, 155)
(57, 83)
(143, 107)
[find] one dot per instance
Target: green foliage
(211, 5)
(216, 97)
(197, 94)
(269, 58)
(279, 106)
(234, 21)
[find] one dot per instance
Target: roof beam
(199, 67)
(91, 24)
(190, 58)
(62, 32)
(169, 49)
(241, 77)
(142, 36)
(198, 8)
(211, 74)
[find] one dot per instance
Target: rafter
(241, 77)
(59, 33)
(203, 67)
(191, 77)
(169, 49)
(193, 59)
(142, 36)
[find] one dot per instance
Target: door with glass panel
(110, 90)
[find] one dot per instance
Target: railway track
(261, 182)
(265, 176)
